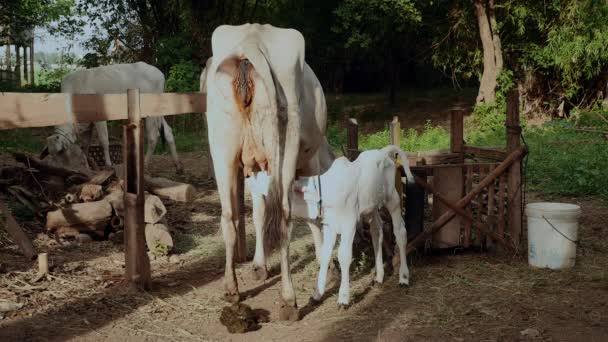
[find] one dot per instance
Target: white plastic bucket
(552, 234)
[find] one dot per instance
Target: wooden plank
(44, 109)
(514, 177)
(395, 139)
(502, 183)
(448, 183)
(439, 223)
(468, 188)
(486, 153)
(352, 139)
(241, 238)
(21, 110)
(16, 232)
(491, 205)
(457, 133)
(173, 104)
(137, 264)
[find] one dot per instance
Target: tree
(381, 28)
(492, 50)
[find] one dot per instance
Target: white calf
(350, 191)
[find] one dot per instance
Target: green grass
(21, 140)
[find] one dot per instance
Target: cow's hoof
(376, 283)
(404, 285)
(343, 307)
(260, 273)
(232, 298)
(313, 301)
(289, 313)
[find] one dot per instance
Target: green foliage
(183, 77)
(566, 162)
(368, 23)
(171, 50)
(431, 138)
(21, 140)
(576, 47)
(160, 249)
(596, 117)
(51, 78)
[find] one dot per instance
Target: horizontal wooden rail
(22, 110)
(486, 153)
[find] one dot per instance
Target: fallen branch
(74, 176)
(91, 213)
(176, 191)
(17, 233)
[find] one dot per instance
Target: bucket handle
(557, 230)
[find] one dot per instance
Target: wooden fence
(477, 192)
(25, 110)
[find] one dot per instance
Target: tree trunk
(18, 65)
(495, 38)
(25, 60)
(8, 54)
(32, 73)
(487, 86)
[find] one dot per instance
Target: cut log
(176, 191)
(154, 209)
(31, 162)
(90, 227)
(90, 192)
(17, 234)
(116, 200)
(117, 222)
(79, 214)
(158, 238)
(101, 177)
(43, 263)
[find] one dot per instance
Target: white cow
(113, 79)
(266, 112)
(347, 192)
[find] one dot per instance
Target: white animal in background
(266, 111)
(113, 79)
(346, 193)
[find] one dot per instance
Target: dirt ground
(464, 297)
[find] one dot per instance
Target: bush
(431, 138)
(184, 77)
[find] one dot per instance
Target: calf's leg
(345, 256)
(375, 224)
(400, 232)
(260, 271)
(329, 240)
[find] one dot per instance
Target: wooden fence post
(457, 132)
(395, 139)
(137, 264)
(352, 139)
(514, 203)
(241, 238)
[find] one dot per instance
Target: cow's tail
(390, 150)
(251, 76)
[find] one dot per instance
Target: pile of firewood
(70, 203)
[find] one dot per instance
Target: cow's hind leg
(289, 308)
(259, 259)
(227, 188)
(394, 207)
(104, 140)
(152, 135)
(168, 132)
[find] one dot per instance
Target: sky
(43, 41)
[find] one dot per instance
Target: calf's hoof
(232, 297)
(289, 313)
(343, 307)
(404, 285)
(260, 273)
